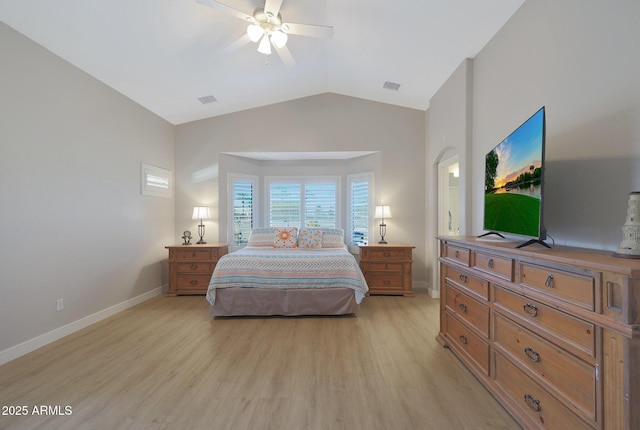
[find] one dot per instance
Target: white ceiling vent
(391, 86)
(207, 99)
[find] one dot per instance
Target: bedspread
(261, 267)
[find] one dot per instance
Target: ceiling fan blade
(227, 9)
(308, 30)
(239, 43)
(272, 6)
(286, 57)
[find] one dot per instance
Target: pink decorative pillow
(310, 238)
(286, 237)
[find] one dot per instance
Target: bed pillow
(286, 237)
(332, 237)
(310, 238)
(262, 236)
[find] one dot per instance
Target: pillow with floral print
(310, 238)
(286, 237)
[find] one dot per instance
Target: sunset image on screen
(513, 178)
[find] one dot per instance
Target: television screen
(514, 181)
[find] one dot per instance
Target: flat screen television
(514, 183)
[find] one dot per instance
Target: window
(360, 188)
(284, 205)
(155, 181)
(243, 198)
(320, 205)
(307, 202)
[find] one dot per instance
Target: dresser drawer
(194, 267)
(464, 280)
(391, 267)
(575, 379)
(456, 253)
(474, 347)
(385, 282)
(578, 335)
(191, 254)
(192, 283)
(387, 254)
(502, 267)
(538, 404)
(468, 309)
(570, 287)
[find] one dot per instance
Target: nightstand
(387, 268)
(191, 266)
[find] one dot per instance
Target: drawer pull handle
(457, 254)
(386, 254)
(194, 282)
(463, 339)
(532, 354)
(463, 307)
(463, 278)
(530, 309)
(549, 282)
(490, 263)
(194, 266)
(386, 282)
(532, 402)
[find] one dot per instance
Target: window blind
(320, 205)
(284, 205)
(243, 195)
(359, 215)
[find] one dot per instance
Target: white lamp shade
(279, 39)
(201, 212)
(265, 46)
(254, 32)
(382, 212)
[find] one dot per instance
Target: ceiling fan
(267, 28)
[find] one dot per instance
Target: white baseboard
(39, 341)
(424, 285)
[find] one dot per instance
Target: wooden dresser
(387, 268)
(553, 334)
(191, 266)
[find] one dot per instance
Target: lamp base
(383, 232)
(201, 234)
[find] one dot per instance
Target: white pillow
(262, 236)
(332, 238)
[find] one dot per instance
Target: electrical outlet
(59, 305)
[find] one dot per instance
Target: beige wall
(449, 135)
(326, 122)
(579, 59)
(73, 223)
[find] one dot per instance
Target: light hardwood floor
(165, 365)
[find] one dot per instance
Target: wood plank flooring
(165, 364)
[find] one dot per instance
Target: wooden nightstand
(387, 268)
(191, 266)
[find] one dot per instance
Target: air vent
(207, 99)
(391, 86)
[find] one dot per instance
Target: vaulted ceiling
(167, 54)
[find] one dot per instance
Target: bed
(309, 272)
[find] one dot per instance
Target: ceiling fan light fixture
(279, 39)
(254, 32)
(265, 46)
